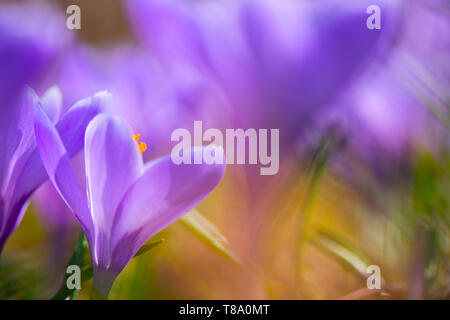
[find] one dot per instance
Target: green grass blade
(146, 247)
(344, 253)
(209, 234)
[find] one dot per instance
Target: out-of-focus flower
(127, 202)
(21, 169)
(32, 35)
(384, 123)
(279, 62)
(401, 107)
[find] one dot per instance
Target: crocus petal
(113, 163)
(74, 123)
(16, 139)
(160, 197)
(321, 47)
(56, 161)
(83, 73)
(168, 28)
(16, 134)
(51, 102)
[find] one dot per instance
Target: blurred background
(364, 141)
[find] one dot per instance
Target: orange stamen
(142, 145)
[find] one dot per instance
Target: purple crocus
(21, 169)
(280, 63)
(127, 202)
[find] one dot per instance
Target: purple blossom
(280, 63)
(21, 169)
(127, 202)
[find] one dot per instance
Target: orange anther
(142, 145)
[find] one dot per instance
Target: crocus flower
(280, 63)
(127, 202)
(21, 169)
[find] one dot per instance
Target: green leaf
(76, 259)
(146, 247)
(209, 234)
(316, 170)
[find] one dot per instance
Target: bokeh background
(364, 142)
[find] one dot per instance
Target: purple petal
(167, 28)
(16, 138)
(113, 163)
(160, 197)
(17, 141)
(318, 48)
(57, 164)
(83, 73)
(73, 125)
(51, 102)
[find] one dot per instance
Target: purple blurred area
(364, 136)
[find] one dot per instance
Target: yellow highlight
(142, 145)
